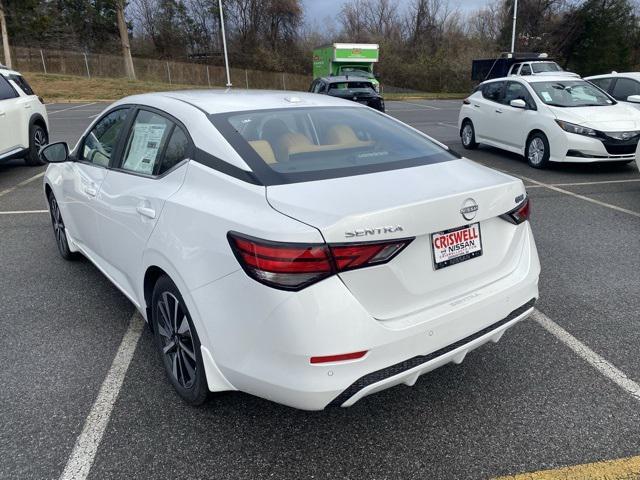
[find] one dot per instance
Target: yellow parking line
(621, 469)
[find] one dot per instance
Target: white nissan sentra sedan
(298, 247)
(550, 119)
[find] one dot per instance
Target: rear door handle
(91, 191)
(2, 114)
(498, 111)
(146, 212)
(476, 105)
(27, 105)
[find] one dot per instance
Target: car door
(9, 119)
(623, 88)
(512, 124)
(152, 168)
(81, 184)
(485, 107)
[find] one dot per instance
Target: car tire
(178, 343)
(537, 150)
(59, 230)
(468, 135)
(38, 138)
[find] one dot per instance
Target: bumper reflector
(338, 358)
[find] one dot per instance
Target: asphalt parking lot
(542, 398)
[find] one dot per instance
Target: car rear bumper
(263, 346)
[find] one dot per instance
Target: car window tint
(176, 151)
(6, 90)
(322, 88)
(148, 135)
(22, 83)
(624, 88)
(304, 140)
(516, 90)
(603, 83)
(514, 68)
(101, 141)
(526, 69)
(492, 91)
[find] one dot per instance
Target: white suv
(24, 127)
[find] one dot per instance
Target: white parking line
(448, 125)
(422, 105)
(71, 108)
(21, 184)
(575, 195)
(86, 446)
(592, 358)
(20, 212)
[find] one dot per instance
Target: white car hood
(609, 118)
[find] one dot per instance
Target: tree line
(424, 44)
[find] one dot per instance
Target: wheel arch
(37, 119)
(465, 120)
(216, 381)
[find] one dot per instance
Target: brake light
(294, 266)
(519, 214)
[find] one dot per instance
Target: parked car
(297, 247)
(539, 67)
(621, 86)
(550, 119)
(24, 126)
(358, 89)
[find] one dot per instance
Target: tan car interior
(279, 143)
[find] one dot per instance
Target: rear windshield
(351, 86)
(571, 93)
(303, 144)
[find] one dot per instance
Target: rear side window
(6, 90)
(624, 88)
(301, 144)
(177, 150)
(492, 91)
(22, 83)
(526, 69)
(603, 83)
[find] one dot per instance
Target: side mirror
(633, 98)
(55, 152)
(518, 103)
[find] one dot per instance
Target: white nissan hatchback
(550, 119)
(298, 247)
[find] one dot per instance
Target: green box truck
(346, 59)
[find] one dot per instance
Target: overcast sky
(318, 10)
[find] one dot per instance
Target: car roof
(634, 75)
(231, 100)
(6, 72)
(536, 78)
(346, 78)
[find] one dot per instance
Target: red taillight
(338, 358)
(519, 214)
(293, 266)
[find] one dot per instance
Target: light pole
(513, 32)
(224, 45)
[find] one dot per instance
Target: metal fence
(67, 62)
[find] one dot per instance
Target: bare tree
(5, 36)
(124, 40)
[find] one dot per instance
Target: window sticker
(144, 148)
(546, 96)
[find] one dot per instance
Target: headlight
(577, 129)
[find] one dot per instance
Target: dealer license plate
(456, 245)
